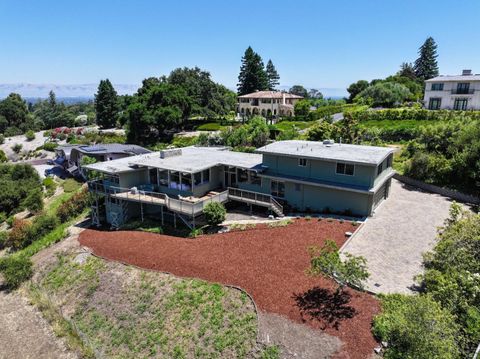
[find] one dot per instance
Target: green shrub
(415, 326)
(50, 186)
(3, 156)
(15, 270)
(34, 201)
(17, 147)
(12, 131)
(195, 232)
(74, 206)
(49, 146)
(70, 185)
(215, 213)
(18, 234)
(30, 135)
(3, 239)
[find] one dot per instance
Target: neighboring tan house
(267, 104)
(70, 156)
(460, 92)
(301, 175)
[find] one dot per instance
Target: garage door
(381, 194)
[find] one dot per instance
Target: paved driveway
(393, 240)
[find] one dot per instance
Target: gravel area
(393, 240)
(269, 263)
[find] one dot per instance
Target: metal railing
(256, 197)
(191, 209)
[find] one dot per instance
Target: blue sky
(314, 43)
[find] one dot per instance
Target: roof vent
(466, 72)
(328, 142)
(170, 153)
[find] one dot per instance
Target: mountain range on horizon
(87, 91)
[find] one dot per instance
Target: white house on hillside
(461, 92)
(267, 103)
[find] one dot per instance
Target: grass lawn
(298, 125)
(129, 313)
(211, 126)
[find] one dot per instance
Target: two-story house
(267, 103)
(460, 92)
(303, 175)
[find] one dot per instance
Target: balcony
(463, 92)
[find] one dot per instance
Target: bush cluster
(411, 113)
(24, 232)
(215, 213)
(15, 270)
(74, 206)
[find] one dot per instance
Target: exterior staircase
(256, 198)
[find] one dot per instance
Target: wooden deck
(139, 197)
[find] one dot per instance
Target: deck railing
(191, 209)
(255, 197)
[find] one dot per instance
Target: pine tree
(407, 70)
(426, 65)
(252, 75)
(272, 76)
(106, 105)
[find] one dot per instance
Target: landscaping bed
(268, 262)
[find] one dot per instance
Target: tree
(385, 94)
(157, 108)
(272, 76)
(252, 75)
(315, 94)
(326, 260)
(106, 105)
(415, 326)
(209, 99)
(215, 213)
(355, 88)
(302, 108)
(298, 90)
(407, 70)
(426, 65)
(14, 109)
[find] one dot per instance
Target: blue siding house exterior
(298, 175)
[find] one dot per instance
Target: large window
(437, 87)
(277, 189)
(463, 88)
(434, 103)
(254, 178)
(186, 182)
(460, 104)
(345, 168)
(197, 178)
(242, 175)
(206, 176)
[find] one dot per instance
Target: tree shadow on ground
(326, 306)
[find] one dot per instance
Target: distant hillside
(82, 91)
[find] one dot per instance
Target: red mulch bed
(269, 263)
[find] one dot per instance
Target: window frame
(437, 86)
(437, 101)
(275, 192)
(300, 160)
(344, 172)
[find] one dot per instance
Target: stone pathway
(393, 240)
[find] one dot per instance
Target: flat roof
(455, 78)
(270, 94)
(192, 159)
(368, 155)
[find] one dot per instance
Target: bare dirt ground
(25, 334)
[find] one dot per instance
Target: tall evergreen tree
(106, 105)
(252, 75)
(407, 70)
(426, 65)
(272, 76)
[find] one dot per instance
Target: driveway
(393, 240)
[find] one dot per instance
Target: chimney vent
(170, 153)
(466, 72)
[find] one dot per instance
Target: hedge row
(399, 114)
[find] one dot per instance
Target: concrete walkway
(393, 240)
